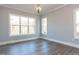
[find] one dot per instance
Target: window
(31, 25)
(14, 25)
(24, 25)
(44, 26)
(20, 25)
(77, 24)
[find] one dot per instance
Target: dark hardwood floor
(38, 47)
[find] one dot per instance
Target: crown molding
(17, 9)
(45, 13)
(53, 10)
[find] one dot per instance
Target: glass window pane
(44, 26)
(77, 16)
(14, 19)
(24, 30)
(31, 30)
(44, 30)
(24, 20)
(44, 21)
(31, 21)
(77, 28)
(14, 30)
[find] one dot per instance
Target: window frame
(75, 24)
(32, 25)
(24, 25)
(43, 27)
(10, 25)
(20, 25)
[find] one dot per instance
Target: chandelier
(38, 9)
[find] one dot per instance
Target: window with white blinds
(21, 25)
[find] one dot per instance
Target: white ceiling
(30, 8)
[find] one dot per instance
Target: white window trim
(20, 25)
(74, 24)
(31, 25)
(42, 28)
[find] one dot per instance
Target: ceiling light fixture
(38, 9)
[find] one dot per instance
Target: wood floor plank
(38, 47)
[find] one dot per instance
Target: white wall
(4, 25)
(60, 24)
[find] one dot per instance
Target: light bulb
(38, 9)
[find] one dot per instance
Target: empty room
(39, 29)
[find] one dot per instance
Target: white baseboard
(61, 42)
(15, 41)
(34, 38)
